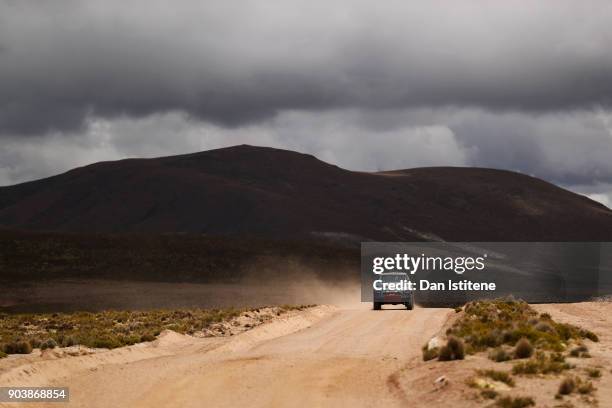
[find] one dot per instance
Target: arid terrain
(321, 356)
(248, 227)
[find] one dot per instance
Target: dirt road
(325, 356)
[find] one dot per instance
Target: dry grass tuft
(453, 350)
(542, 363)
(523, 349)
(567, 386)
(489, 394)
(580, 351)
(593, 372)
(430, 354)
(495, 375)
(575, 384)
(515, 402)
(499, 355)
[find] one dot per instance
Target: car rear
(393, 296)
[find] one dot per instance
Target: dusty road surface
(324, 356)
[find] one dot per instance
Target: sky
(517, 85)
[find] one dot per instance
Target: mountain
(264, 192)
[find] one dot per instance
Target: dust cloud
(291, 282)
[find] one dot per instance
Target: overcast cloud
(519, 85)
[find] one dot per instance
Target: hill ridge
(276, 193)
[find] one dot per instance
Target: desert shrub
(489, 394)
(499, 355)
(147, 337)
(542, 364)
(48, 344)
(453, 350)
(109, 329)
(556, 357)
(69, 341)
(523, 349)
(589, 335)
(445, 354)
(572, 384)
(2, 354)
(586, 387)
(457, 347)
(515, 402)
(567, 386)
(580, 351)
(23, 347)
(106, 342)
(493, 323)
(527, 367)
(544, 327)
(593, 372)
(18, 347)
(430, 354)
(458, 309)
(495, 375)
(35, 342)
(130, 339)
(568, 331)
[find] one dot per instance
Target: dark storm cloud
(237, 62)
(570, 148)
(524, 86)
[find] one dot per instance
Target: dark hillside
(251, 191)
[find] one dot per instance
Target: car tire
(377, 305)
